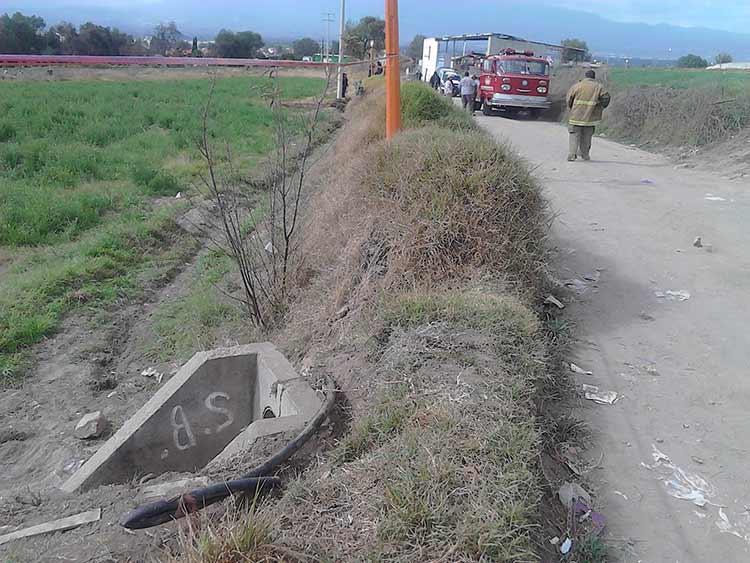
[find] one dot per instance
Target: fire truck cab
(513, 81)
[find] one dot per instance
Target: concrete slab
(214, 398)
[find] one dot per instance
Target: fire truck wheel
(486, 108)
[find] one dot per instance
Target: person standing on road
(467, 92)
(344, 84)
(435, 81)
(475, 79)
(586, 100)
(448, 86)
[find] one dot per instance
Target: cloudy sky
(292, 17)
(729, 15)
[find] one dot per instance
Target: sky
(729, 15)
(599, 21)
(284, 16)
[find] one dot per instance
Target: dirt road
(681, 428)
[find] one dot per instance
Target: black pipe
(164, 511)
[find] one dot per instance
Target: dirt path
(682, 426)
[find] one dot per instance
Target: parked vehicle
(514, 82)
(444, 74)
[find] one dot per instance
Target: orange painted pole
(392, 71)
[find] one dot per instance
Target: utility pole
(342, 29)
(328, 19)
(392, 71)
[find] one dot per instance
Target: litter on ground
(586, 514)
(681, 484)
(575, 369)
(592, 393)
(725, 526)
(594, 276)
(151, 372)
(60, 525)
(552, 300)
(578, 286)
(671, 295)
(570, 492)
(566, 546)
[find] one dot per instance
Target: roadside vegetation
(89, 172)
(428, 255)
(729, 81)
(194, 320)
(672, 108)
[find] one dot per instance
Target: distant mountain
(603, 36)
(531, 21)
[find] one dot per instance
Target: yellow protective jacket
(586, 101)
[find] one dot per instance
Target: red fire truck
(513, 82)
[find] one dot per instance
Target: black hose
(163, 511)
(292, 447)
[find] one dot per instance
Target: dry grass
(431, 244)
(668, 109)
(457, 202)
(678, 117)
(435, 204)
(445, 464)
(440, 462)
(239, 535)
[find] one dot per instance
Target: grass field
(731, 81)
(80, 164)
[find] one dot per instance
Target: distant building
(730, 66)
(318, 58)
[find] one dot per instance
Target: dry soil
(680, 428)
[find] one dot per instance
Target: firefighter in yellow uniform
(586, 100)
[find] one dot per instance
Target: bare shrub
(261, 235)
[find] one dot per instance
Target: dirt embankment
(425, 259)
(428, 257)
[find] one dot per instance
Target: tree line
(360, 38)
(30, 35)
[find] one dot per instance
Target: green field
(80, 166)
(731, 81)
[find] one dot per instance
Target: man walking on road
(435, 81)
(586, 101)
(468, 93)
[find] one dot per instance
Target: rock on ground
(92, 425)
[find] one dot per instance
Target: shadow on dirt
(552, 115)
